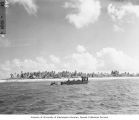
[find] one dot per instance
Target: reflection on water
(97, 97)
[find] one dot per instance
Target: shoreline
(63, 79)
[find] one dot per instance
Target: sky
(83, 35)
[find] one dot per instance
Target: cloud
(29, 5)
(115, 13)
(82, 60)
(86, 12)
(26, 65)
(112, 59)
(54, 59)
(123, 14)
(81, 48)
(105, 60)
(119, 12)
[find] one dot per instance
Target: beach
(65, 79)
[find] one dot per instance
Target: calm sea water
(97, 97)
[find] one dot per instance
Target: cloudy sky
(82, 35)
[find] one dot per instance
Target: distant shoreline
(63, 79)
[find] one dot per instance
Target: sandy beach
(64, 79)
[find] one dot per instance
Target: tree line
(67, 74)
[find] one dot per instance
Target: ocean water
(96, 97)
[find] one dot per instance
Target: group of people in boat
(84, 80)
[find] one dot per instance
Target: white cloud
(123, 14)
(116, 13)
(82, 60)
(26, 65)
(112, 59)
(88, 12)
(119, 12)
(132, 9)
(29, 5)
(81, 48)
(54, 59)
(106, 59)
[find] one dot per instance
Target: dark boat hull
(74, 82)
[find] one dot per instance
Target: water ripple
(97, 97)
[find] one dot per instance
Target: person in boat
(84, 79)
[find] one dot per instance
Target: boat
(84, 80)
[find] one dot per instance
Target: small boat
(72, 82)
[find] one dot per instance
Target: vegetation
(67, 74)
